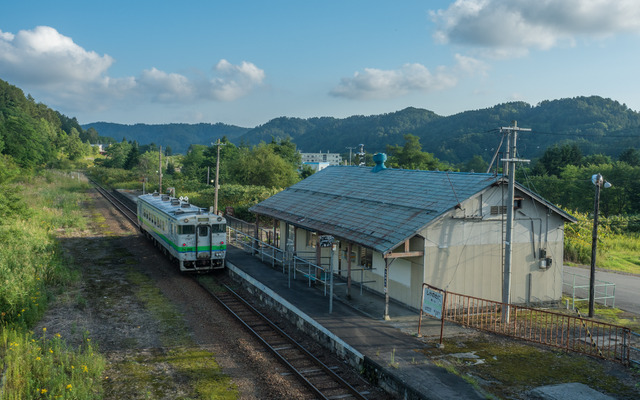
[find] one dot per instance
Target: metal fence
(634, 357)
(568, 332)
(577, 286)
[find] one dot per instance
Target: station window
(366, 257)
(311, 239)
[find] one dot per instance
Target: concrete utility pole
(215, 200)
(160, 170)
(350, 150)
(510, 162)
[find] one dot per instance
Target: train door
(203, 242)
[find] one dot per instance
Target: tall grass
(31, 266)
(618, 246)
(45, 367)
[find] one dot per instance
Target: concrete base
(567, 391)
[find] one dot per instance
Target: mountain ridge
(596, 124)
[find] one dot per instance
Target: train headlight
(219, 254)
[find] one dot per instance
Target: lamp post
(599, 181)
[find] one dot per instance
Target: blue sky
(246, 62)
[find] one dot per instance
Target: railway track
(320, 378)
(121, 203)
(323, 381)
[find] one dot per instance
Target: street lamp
(599, 181)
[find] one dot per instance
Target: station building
(396, 229)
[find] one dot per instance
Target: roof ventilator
(379, 159)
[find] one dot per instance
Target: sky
(246, 62)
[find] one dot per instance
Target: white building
(331, 158)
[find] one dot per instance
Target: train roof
(178, 208)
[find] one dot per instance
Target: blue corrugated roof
(380, 209)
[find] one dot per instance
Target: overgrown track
(320, 378)
(126, 206)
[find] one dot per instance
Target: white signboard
(432, 303)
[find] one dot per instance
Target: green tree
(147, 165)
(261, 166)
(596, 159)
(476, 164)
(286, 149)
(411, 156)
(228, 154)
(306, 171)
(193, 163)
(556, 158)
(133, 156)
(75, 148)
(117, 154)
(630, 156)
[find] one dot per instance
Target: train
(194, 237)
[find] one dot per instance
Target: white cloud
(383, 84)
(44, 60)
(165, 87)
(45, 57)
(236, 80)
(512, 27)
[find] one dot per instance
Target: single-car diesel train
(194, 237)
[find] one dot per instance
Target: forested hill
(34, 135)
(176, 136)
(596, 124)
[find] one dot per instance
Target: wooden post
(318, 256)
(256, 232)
(386, 289)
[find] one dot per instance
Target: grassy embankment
(618, 247)
(40, 365)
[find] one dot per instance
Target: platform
(356, 326)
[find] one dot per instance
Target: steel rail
(327, 370)
(117, 203)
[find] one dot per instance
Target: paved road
(627, 287)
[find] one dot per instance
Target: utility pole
(510, 164)
(160, 170)
(350, 150)
(215, 201)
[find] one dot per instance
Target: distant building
(317, 166)
(101, 147)
(331, 158)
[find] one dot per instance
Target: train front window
(186, 229)
(203, 230)
(218, 228)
